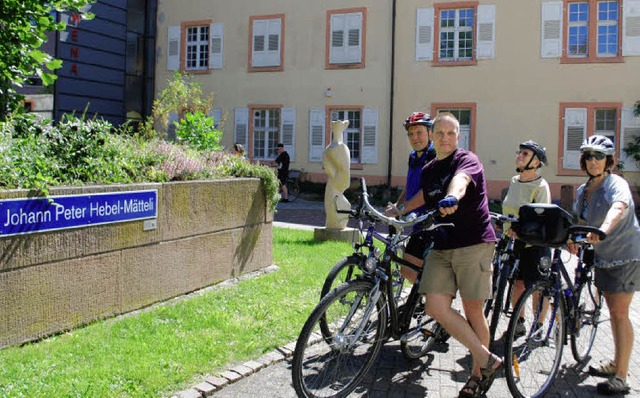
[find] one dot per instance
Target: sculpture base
(345, 234)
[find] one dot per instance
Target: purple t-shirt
(472, 224)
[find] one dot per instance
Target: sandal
(471, 388)
(490, 372)
(614, 386)
(604, 370)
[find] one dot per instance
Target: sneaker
(604, 370)
(520, 331)
(614, 386)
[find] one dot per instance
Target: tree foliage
(23, 29)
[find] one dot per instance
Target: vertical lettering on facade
(75, 21)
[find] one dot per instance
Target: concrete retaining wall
(207, 232)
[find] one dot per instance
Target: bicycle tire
(293, 190)
(586, 318)
(334, 367)
(423, 332)
(343, 271)
(498, 302)
(532, 361)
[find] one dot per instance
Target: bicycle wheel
(335, 366)
(423, 333)
(293, 190)
(533, 359)
(498, 301)
(586, 318)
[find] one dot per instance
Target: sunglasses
(594, 155)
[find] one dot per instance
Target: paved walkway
(441, 373)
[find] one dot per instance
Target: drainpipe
(391, 97)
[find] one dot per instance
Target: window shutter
(259, 43)
(274, 28)
(354, 38)
(486, 32)
(424, 34)
(630, 131)
(370, 136)
(337, 51)
(631, 27)
(217, 38)
(316, 134)
(216, 114)
(551, 30)
(288, 128)
(575, 124)
(241, 129)
(173, 48)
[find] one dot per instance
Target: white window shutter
(216, 114)
(173, 48)
(575, 126)
(217, 46)
(630, 131)
(370, 136)
(551, 30)
(288, 129)
(424, 34)
(631, 27)
(337, 50)
(316, 134)
(259, 43)
(486, 35)
(241, 128)
(273, 42)
(354, 38)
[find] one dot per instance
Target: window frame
(470, 106)
(438, 8)
(278, 68)
(183, 46)
(592, 34)
(251, 133)
(363, 41)
(591, 108)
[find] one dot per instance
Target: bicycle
(505, 271)
(555, 308)
(293, 184)
(360, 315)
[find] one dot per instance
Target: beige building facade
(551, 71)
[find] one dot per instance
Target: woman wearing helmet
(526, 187)
(605, 201)
(417, 125)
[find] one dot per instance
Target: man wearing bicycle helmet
(417, 125)
(605, 201)
(526, 187)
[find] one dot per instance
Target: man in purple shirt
(461, 258)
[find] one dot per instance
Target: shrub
(198, 131)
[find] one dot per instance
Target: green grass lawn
(172, 347)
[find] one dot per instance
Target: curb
(211, 384)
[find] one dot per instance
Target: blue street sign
(26, 216)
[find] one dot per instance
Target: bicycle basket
(542, 224)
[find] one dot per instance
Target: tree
(23, 29)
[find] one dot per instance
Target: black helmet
(598, 143)
(537, 149)
(418, 118)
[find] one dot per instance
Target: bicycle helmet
(418, 118)
(538, 150)
(598, 143)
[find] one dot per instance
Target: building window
(593, 31)
(580, 120)
(465, 113)
(352, 134)
(345, 41)
(266, 47)
(197, 48)
(266, 133)
(456, 35)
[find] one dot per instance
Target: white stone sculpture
(336, 160)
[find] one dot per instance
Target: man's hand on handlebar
(392, 210)
(448, 205)
(593, 238)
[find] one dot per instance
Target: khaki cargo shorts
(467, 269)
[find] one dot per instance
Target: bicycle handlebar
(576, 230)
(502, 218)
